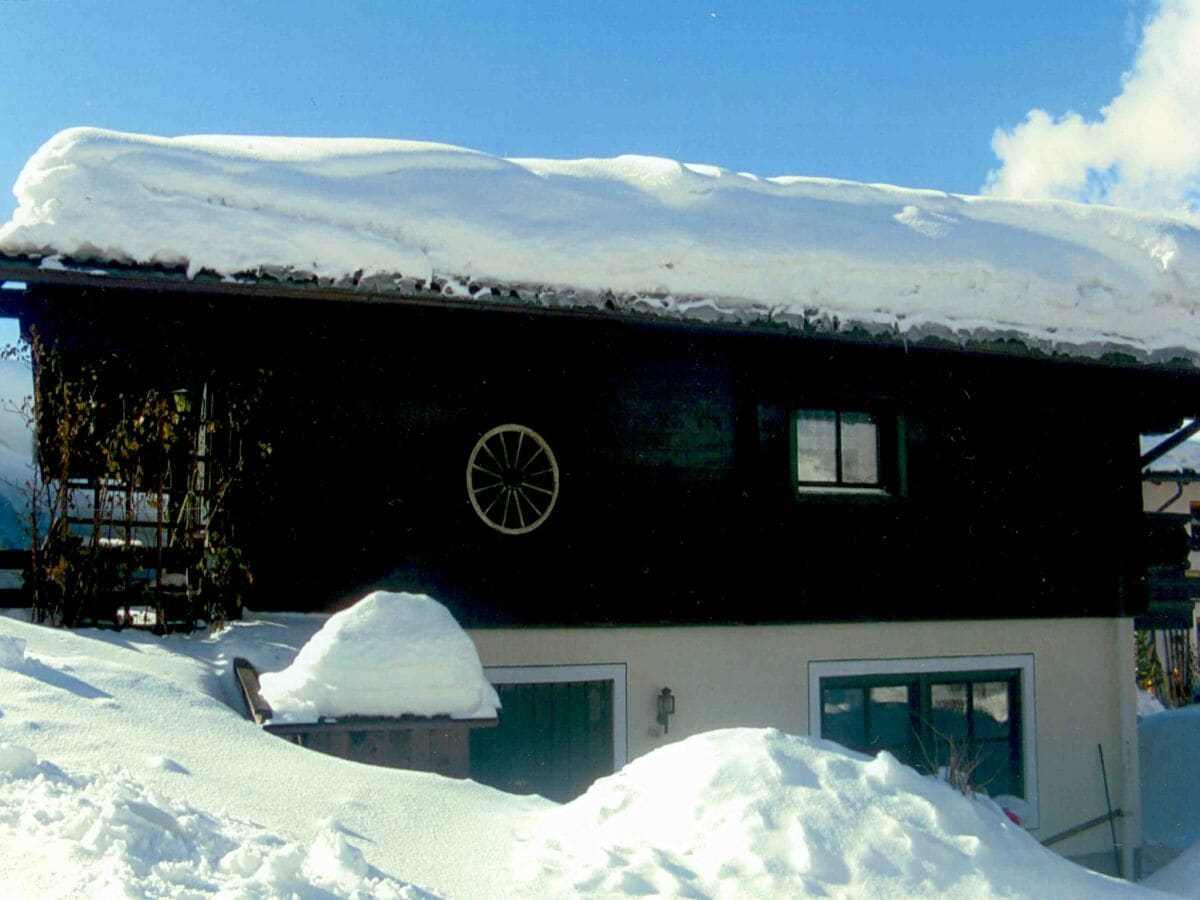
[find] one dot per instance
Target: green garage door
(552, 739)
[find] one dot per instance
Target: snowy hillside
(128, 769)
(651, 235)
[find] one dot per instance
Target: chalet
(682, 449)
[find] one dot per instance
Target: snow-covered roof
(1184, 458)
(636, 233)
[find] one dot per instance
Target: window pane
(860, 449)
(949, 714)
(816, 446)
(999, 771)
(891, 725)
(934, 720)
(843, 718)
(989, 715)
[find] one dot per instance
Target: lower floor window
(934, 716)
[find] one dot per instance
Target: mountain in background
(16, 453)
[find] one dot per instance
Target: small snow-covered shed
(682, 448)
(392, 680)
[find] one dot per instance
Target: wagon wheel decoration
(512, 479)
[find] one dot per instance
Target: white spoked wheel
(512, 479)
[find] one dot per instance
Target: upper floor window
(836, 449)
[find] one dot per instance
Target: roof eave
(282, 285)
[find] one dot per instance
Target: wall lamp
(183, 400)
(666, 708)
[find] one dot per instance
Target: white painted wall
(728, 676)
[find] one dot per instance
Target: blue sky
(908, 93)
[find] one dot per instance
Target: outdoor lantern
(183, 400)
(666, 707)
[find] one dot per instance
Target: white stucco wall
(725, 676)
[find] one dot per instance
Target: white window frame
(554, 674)
(1022, 662)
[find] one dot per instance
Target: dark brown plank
(256, 707)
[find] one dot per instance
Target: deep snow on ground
(128, 769)
(1148, 704)
(755, 813)
(145, 733)
(1181, 876)
(654, 235)
(110, 835)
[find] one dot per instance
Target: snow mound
(1148, 704)
(758, 813)
(1180, 876)
(653, 235)
(387, 655)
(121, 840)
(160, 788)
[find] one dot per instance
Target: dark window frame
(923, 747)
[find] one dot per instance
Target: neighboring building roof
(1183, 460)
(637, 234)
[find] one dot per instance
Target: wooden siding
(425, 744)
(1013, 483)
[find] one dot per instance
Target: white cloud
(1144, 149)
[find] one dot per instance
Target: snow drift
(125, 769)
(758, 813)
(111, 837)
(653, 235)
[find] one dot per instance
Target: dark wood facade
(1012, 481)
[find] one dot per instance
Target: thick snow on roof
(387, 655)
(1184, 458)
(652, 235)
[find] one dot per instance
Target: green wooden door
(552, 739)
